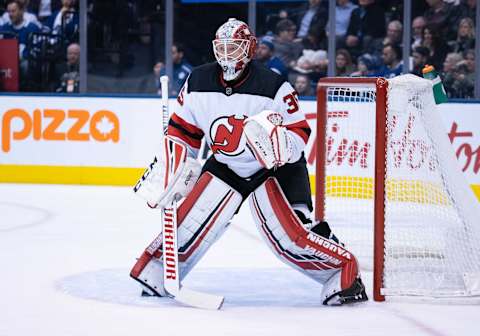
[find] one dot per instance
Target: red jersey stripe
(187, 126)
(195, 143)
(301, 128)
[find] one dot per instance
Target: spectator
(444, 17)
(437, 46)
(303, 86)
(284, 45)
(463, 82)
(44, 8)
(451, 61)
(420, 57)
(418, 25)
(22, 28)
(265, 55)
(181, 69)
(469, 57)
(394, 36)
(394, 33)
(366, 66)
(449, 66)
(343, 12)
(367, 25)
(312, 62)
(391, 62)
(343, 63)
(69, 79)
(314, 15)
(27, 17)
(316, 39)
(465, 36)
(314, 56)
(65, 21)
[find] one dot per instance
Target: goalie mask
(233, 46)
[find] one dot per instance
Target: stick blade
(198, 299)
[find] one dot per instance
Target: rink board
(108, 140)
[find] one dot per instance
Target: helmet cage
(232, 54)
(231, 50)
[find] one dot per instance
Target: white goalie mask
(233, 46)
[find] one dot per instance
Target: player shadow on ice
(279, 287)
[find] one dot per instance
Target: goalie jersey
(208, 106)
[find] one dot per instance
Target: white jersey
(208, 106)
(27, 17)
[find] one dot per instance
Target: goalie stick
(171, 275)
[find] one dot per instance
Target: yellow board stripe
(119, 176)
(476, 190)
(397, 190)
(70, 175)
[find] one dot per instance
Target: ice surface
(66, 251)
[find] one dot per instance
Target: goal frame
(380, 85)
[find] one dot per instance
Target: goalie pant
(206, 213)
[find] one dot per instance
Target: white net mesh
(431, 229)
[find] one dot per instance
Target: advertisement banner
(461, 123)
(106, 140)
(67, 131)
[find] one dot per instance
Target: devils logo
(226, 134)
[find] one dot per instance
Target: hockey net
(388, 182)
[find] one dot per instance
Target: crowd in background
(47, 35)
(369, 42)
(292, 40)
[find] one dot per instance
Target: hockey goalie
(256, 131)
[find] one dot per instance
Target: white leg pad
(311, 254)
(202, 218)
(331, 287)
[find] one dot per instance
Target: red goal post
(423, 233)
(380, 85)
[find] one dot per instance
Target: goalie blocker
(206, 213)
